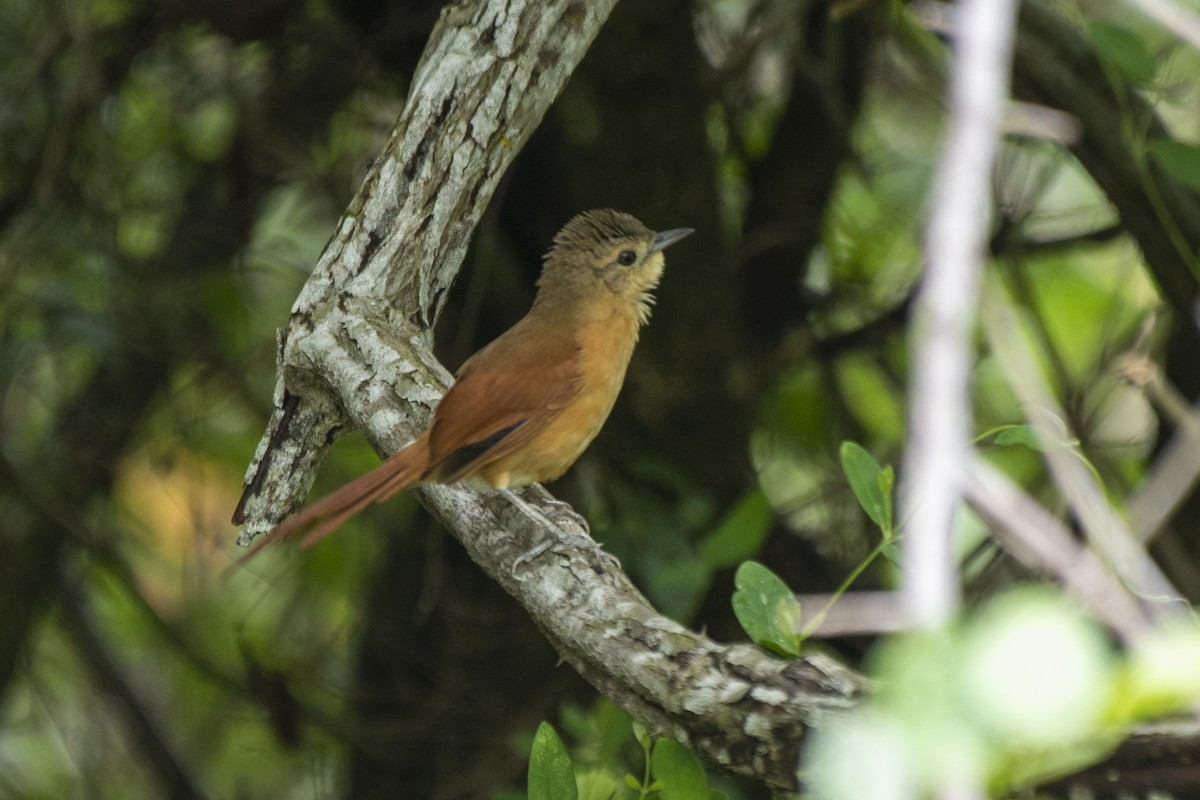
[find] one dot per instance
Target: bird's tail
(401, 470)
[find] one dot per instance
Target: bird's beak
(666, 238)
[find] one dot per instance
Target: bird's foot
(557, 538)
(558, 544)
(564, 509)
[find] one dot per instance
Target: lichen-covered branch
(734, 705)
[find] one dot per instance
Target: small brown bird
(525, 407)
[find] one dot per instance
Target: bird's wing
(503, 396)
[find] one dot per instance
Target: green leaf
(767, 609)
(597, 784)
(1122, 51)
(1019, 435)
(681, 775)
(642, 735)
(1180, 161)
(887, 482)
(740, 534)
(550, 773)
(1160, 676)
(867, 481)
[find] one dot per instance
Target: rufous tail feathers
(401, 470)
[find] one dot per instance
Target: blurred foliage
(170, 172)
(1026, 690)
(668, 771)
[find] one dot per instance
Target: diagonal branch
(1106, 531)
(1041, 542)
(940, 419)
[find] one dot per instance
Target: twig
(850, 614)
(955, 241)
(1004, 244)
(1176, 471)
(1177, 19)
(1041, 542)
(1105, 529)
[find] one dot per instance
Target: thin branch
(1057, 66)
(1179, 20)
(827, 616)
(1040, 541)
(1174, 475)
(955, 241)
(1161, 759)
(1105, 529)
(1004, 243)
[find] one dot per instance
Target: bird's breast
(605, 348)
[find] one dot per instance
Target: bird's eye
(626, 258)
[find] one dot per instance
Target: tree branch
(1162, 755)
(734, 705)
(1055, 66)
(935, 458)
(1042, 543)
(1106, 531)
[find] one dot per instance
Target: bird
(526, 406)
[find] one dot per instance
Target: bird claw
(557, 539)
(530, 555)
(570, 513)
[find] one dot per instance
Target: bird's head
(606, 252)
